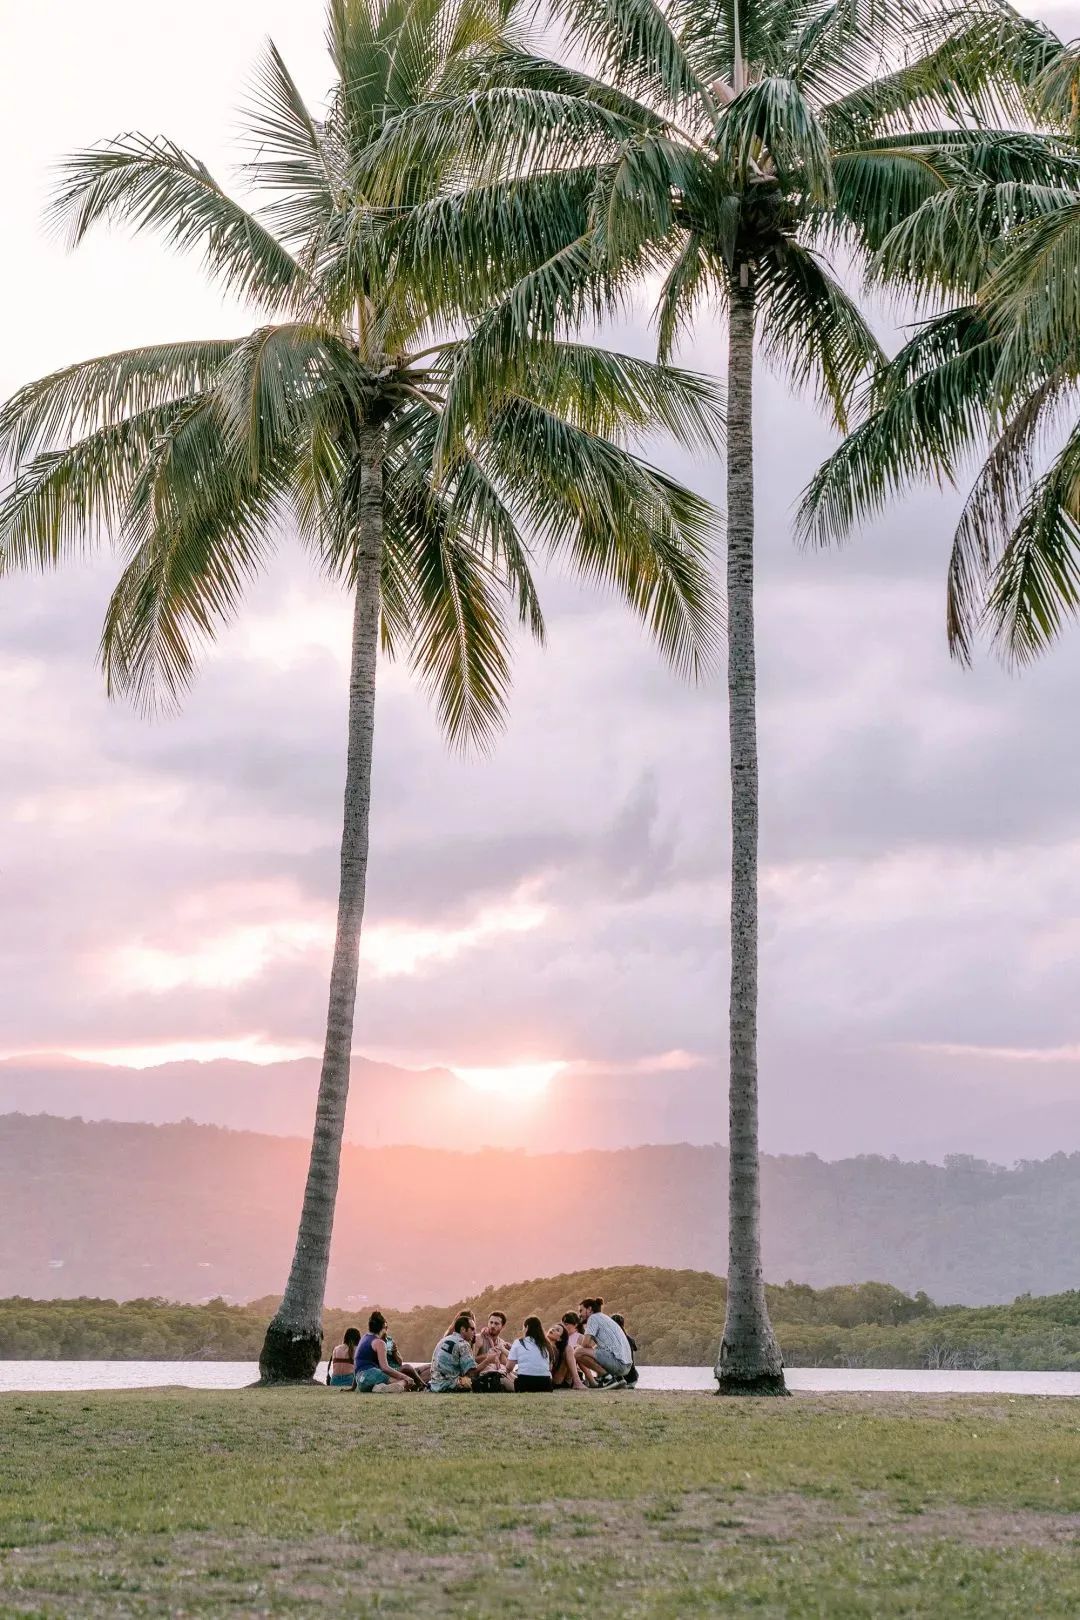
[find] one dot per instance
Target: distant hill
(840, 1104)
(190, 1212)
(675, 1317)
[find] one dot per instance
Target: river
(37, 1377)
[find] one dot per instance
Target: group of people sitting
(587, 1349)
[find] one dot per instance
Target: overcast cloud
(170, 887)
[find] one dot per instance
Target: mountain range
(912, 1103)
(192, 1212)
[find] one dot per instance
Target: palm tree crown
(996, 374)
(749, 138)
(196, 457)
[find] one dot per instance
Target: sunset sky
(167, 889)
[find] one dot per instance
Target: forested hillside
(193, 1212)
(674, 1315)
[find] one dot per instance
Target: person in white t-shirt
(529, 1362)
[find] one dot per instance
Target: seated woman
(340, 1370)
(374, 1372)
(529, 1362)
(564, 1339)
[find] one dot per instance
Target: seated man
(490, 1342)
(454, 1362)
(604, 1347)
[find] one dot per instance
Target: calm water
(38, 1376)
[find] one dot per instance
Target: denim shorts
(618, 1369)
(369, 1378)
(342, 1380)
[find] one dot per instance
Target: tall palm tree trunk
(749, 1361)
(293, 1344)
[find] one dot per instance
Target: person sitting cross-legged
(490, 1341)
(375, 1373)
(455, 1363)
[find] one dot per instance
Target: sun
(512, 1079)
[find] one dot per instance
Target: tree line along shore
(673, 1315)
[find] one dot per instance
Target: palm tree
(725, 146)
(330, 417)
(996, 376)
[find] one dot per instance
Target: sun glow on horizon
(512, 1079)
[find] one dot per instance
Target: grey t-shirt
(609, 1337)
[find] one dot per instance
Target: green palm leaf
(812, 330)
(58, 408)
(151, 184)
(1037, 583)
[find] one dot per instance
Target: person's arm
(384, 1362)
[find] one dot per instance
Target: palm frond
(474, 505)
(1056, 95)
(151, 184)
(811, 328)
(1036, 288)
(637, 45)
(487, 134)
(461, 649)
(279, 380)
(1037, 584)
(62, 503)
(834, 49)
(198, 528)
(506, 339)
(948, 246)
(621, 397)
(928, 408)
(466, 248)
(619, 521)
(93, 393)
(771, 128)
(294, 155)
(1006, 480)
(967, 64)
(689, 281)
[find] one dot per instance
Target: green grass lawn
(314, 1502)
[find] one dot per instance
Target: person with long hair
(341, 1369)
(374, 1373)
(564, 1339)
(529, 1363)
